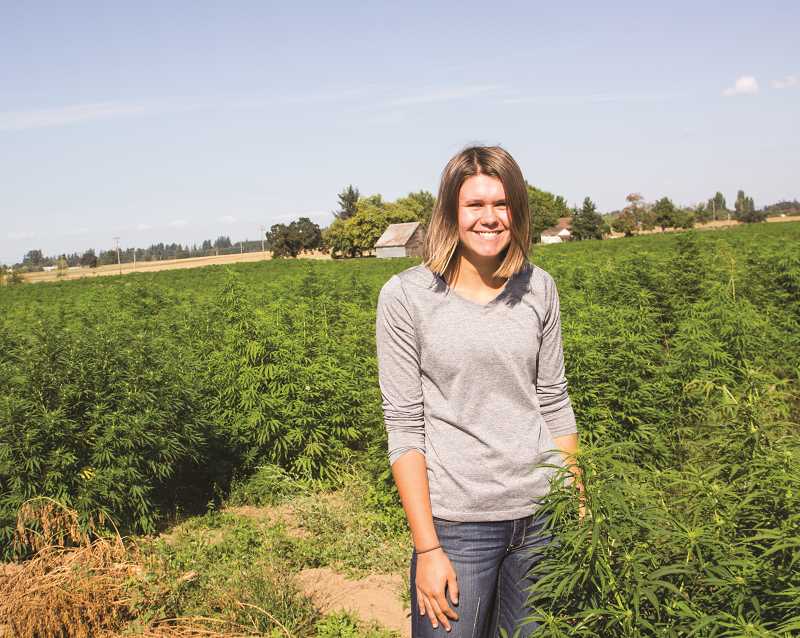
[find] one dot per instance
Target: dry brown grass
(77, 584)
(74, 585)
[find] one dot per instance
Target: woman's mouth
(488, 235)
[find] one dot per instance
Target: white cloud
(78, 231)
(21, 235)
(788, 82)
(745, 85)
(227, 219)
(178, 223)
(40, 118)
(78, 113)
(589, 98)
(143, 227)
(435, 95)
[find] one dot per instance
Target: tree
(683, 218)
(284, 240)
(222, 242)
(308, 232)
(637, 215)
(420, 204)
(664, 212)
(545, 210)
(348, 203)
(89, 259)
(625, 222)
(702, 213)
(746, 209)
(33, 260)
(338, 240)
(719, 208)
(587, 223)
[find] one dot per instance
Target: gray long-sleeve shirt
(479, 389)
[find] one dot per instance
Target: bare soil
(377, 597)
(374, 598)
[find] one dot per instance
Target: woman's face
(484, 217)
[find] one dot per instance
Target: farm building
(558, 233)
(401, 240)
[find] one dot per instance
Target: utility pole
(119, 263)
(262, 230)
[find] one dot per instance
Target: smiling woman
(475, 401)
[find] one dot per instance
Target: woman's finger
(431, 613)
(420, 602)
(437, 609)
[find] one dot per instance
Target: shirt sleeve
(399, 371)
(551, 382)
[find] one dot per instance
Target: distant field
(197, 262)
(153, 266)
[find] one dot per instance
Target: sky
(182, 121)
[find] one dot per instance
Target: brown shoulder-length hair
(441, 248)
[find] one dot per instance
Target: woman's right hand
(434, 572)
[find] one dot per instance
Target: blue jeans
(492, 560)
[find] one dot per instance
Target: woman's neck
(472, 273)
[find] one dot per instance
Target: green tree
(89, 259)
(587, 223)
(420, 204)
(664, 211)
(337, 239)
(348, 203)
(718, 207)
(33, 260)
(746, 210)
(222, 242)
(309, 233)
(284, 241)
(637, 215)
(624, 222)
(356, 235)
(684, 218)
(702, 213)
(545, 210)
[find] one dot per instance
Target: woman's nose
(489, 214)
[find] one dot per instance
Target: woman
(471, 374)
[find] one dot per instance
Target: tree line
(360, 220)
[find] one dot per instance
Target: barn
(401, 240)
(558, 233)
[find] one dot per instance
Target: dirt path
(374, 598)
(377, 597)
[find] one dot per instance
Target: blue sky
(182, 121)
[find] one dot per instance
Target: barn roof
(397, 234)
(562, 225)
